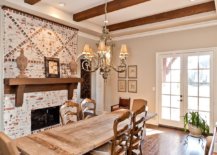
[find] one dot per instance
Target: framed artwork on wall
(122, 74)
(132, 71)
(122, 85)
(132, 86)
(52, 67)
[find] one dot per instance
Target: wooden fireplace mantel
(19, 86)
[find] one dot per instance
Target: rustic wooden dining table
(73, 139)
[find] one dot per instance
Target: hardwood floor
(165, 141)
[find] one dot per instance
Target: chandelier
(92, 61)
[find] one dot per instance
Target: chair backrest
(69, 112)
(88, 108)
(6, 146)
(138, 103)
(120, 141)
(138, 121)
(124, 102)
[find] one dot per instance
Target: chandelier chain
(106, 18)
(102, 58)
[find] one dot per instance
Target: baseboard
(171, 127)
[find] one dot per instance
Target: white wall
(142, 52)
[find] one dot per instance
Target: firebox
(42, 118)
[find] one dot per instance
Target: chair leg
(140, 149)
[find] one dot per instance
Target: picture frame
(132, 71)
(132, 86)
(122, 74)
(122, 85)
(52, 67)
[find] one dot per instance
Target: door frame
(213, 115)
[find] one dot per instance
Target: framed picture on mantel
(52, 67)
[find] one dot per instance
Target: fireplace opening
(42, 118)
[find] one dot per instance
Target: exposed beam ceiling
(188, 11)
(99, 10)
(31, 2)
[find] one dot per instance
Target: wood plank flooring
(165, 141)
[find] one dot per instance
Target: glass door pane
(199, 85)
(170, 89)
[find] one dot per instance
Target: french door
(184, 84)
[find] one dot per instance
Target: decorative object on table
(122, 74)
(73, 66)
(52, 68)
(196, 124)
(22, 63)
(132, 71)
(121, 85)
(132, 86)
(102, 59)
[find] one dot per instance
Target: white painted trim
(89, 36)
(1, 70)
(213, 99)
(157, 87)
(168, 30)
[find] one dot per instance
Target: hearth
(42, 118)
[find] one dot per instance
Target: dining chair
(69, 112)
(124, 103)
(120, 142)
(138, 103)
(7, 147)
(136, 137)
(88, 108)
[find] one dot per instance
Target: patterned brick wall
(39, 38)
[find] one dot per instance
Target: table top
(73, 139)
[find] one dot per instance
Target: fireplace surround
(46, 117)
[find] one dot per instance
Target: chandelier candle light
(102, 58)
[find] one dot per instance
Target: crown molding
(51, 13)
(86, 35)
(168, 30)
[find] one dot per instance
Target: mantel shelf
(19, 86)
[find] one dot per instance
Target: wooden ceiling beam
(31, 2)
(188, 11)
(111, 6)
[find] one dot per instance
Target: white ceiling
(137, 11)
(74, 6)
(51, 9)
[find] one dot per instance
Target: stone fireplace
(17, 120)
(38, 38)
